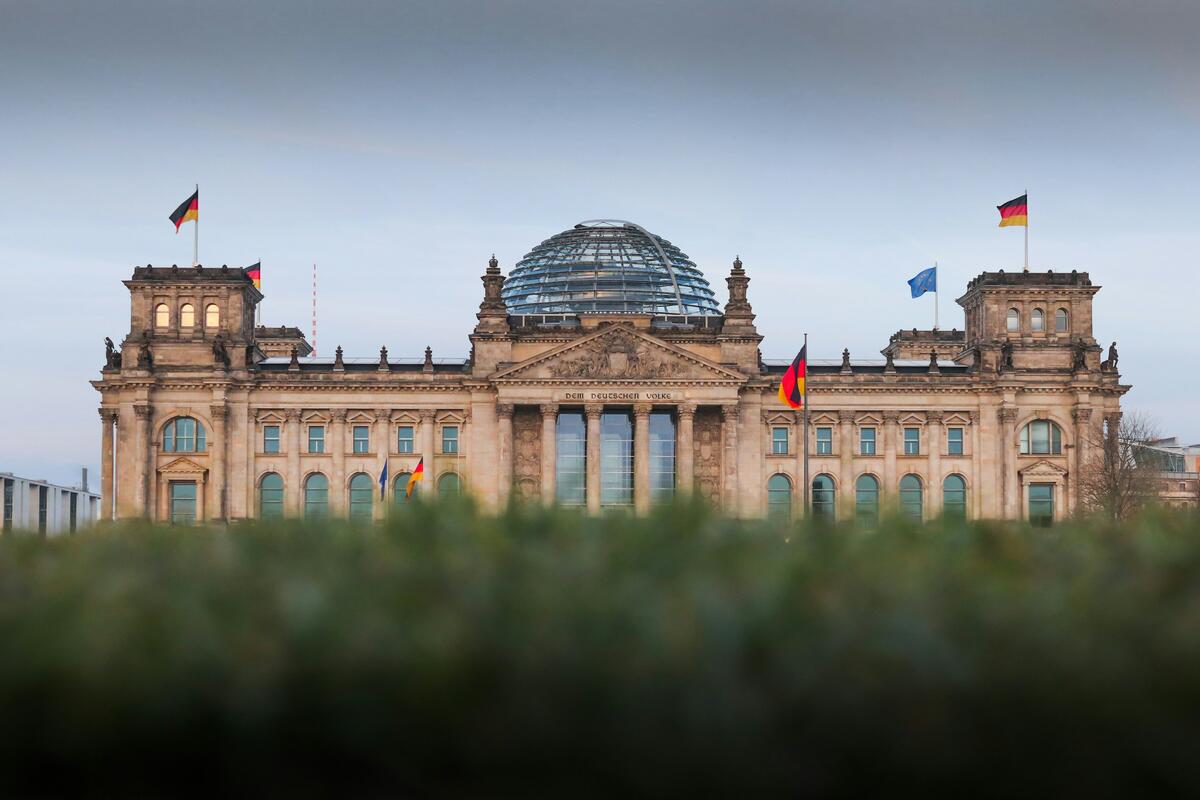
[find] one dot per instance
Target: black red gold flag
(254, 273)
(417, 474)
(791, 388)
(189, 210)
(1015, 212)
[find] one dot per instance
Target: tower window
(162, 316)
(1014, 320)
(1037, 320)
(212, 316)
(1061, 321)
(187, 315)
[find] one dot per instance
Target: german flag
(417, 474)
(1015, 212)
(254, 273)
(189, 210)
(791, 388)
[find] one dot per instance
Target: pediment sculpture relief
(618, 355)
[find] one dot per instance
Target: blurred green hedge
(541, 652)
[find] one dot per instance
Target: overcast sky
(838, 147)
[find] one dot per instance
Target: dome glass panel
(608, 265)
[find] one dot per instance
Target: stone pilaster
(1082, 415)
(294, 493)
(935, 441)
(381, 438)
(685, 456)
(976, 496)
(641, 458)
(891, 480)
(108, 419)
(730, 417)
(336, 447)
(504, 453)
(218, 448)
(1010, 483)
(847, 447)
(593, 413)
(427, 419)
(549, 452)
(143, 463)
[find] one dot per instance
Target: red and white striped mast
(314, 312)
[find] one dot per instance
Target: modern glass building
(608, 265)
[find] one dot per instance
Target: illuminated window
(212, 316)
(187, 315)
(162, 316)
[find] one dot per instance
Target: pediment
(780, 417)
(1043, 469)
(269, 416)
(614, 354)
(822, 418)
(182, 466)
(956, 418)
(912, 419)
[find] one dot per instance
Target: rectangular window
(779, 441)
(616, 460)
(954, 441)
(1041, 504)
(270, 438)
(866, 441)
(43, 499)
(183, 502)
(571, 459)
(912, 441)
(449, 439)
(316, 438)
(362, 439)
(8, 504)
(662, 456)
(824, 441)
(404, 439)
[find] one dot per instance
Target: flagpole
(196, 231)
(935, 296)
(1027, 230)
(807, 505)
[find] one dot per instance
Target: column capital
(383, 414)
(338, 415)
(974, 415)
(219, 411)
(548, 409)
(731, 411)
(891, 417)
(142, 411)
(593, 409)
(934, 416)
(292, 415)
(427, 414)
(845, 416)
(107, 415)
(504, 410)
(1081, 414)
(641, 410)
(686, 409)
(1006, 415)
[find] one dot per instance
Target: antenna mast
(314, 312)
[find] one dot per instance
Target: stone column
(890, 489)
(974, 493)
(935, 440)
(685, 454)
(335, 445)
(382, 436)
(250, 473)
(218, 447)
(1010, 483)
(295, 491)
(143, 463)
(641, 458)
(846, 449)
(549, 452)
(427, 418)
(108, 419)
(730, 416)
(504, 453)
(1083, 434)
(593, 413)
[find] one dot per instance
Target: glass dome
(608, 265)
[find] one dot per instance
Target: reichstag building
(603, 374)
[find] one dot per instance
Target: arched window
(316, 496)
(911, 497)
(400, 489)
(823, 498)
(1014, 320)
(270, 496)
(187, 315)
(1037, 320)
(1041, 438)
(1062, 323)
(183, 435)
(866, 498)
(212, 316)
(362, 497)
(779, 496)
(954, 497)
(162, 316)
(449, 486)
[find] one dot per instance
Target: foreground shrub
(544, 652)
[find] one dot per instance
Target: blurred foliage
(542, 652)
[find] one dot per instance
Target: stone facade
(497, 424)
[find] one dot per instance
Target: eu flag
(925, 281)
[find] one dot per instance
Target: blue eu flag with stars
(925, 281)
